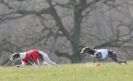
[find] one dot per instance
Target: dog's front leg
(32, 63)
(38, 61)
(23, 64)
(94, 59)
(19, 66)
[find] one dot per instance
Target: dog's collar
(92, 51)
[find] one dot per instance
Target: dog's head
(14, 56)
(85, 50)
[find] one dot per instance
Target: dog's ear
(88, 49)
(81, 47)
(17, 55)
(14, 56)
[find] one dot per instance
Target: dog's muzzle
(11, 60)
(82, 54)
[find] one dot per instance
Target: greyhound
(102, 54)
(31, 57)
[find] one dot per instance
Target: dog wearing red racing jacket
(31, 57)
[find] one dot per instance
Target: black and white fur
(98, 55)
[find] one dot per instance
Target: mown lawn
(69, 72)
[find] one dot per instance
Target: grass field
(69, 72)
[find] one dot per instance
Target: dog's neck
(92, 51)
(22, 55)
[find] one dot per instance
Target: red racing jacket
(34, 54)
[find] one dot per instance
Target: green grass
(69, 72)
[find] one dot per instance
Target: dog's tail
(46, 58)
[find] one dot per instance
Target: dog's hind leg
(115, 57)
(123, 61)
(46, 58)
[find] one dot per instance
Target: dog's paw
(45, 63)
(125, 62)
(18, 66)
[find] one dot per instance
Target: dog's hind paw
(125, 62)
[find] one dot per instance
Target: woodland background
(63, 27)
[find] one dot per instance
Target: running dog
(31, 57)
(102, 54)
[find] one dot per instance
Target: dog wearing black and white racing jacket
(102, 54)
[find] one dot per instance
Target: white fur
(46, 58)
(83, 50)
(22, 55)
